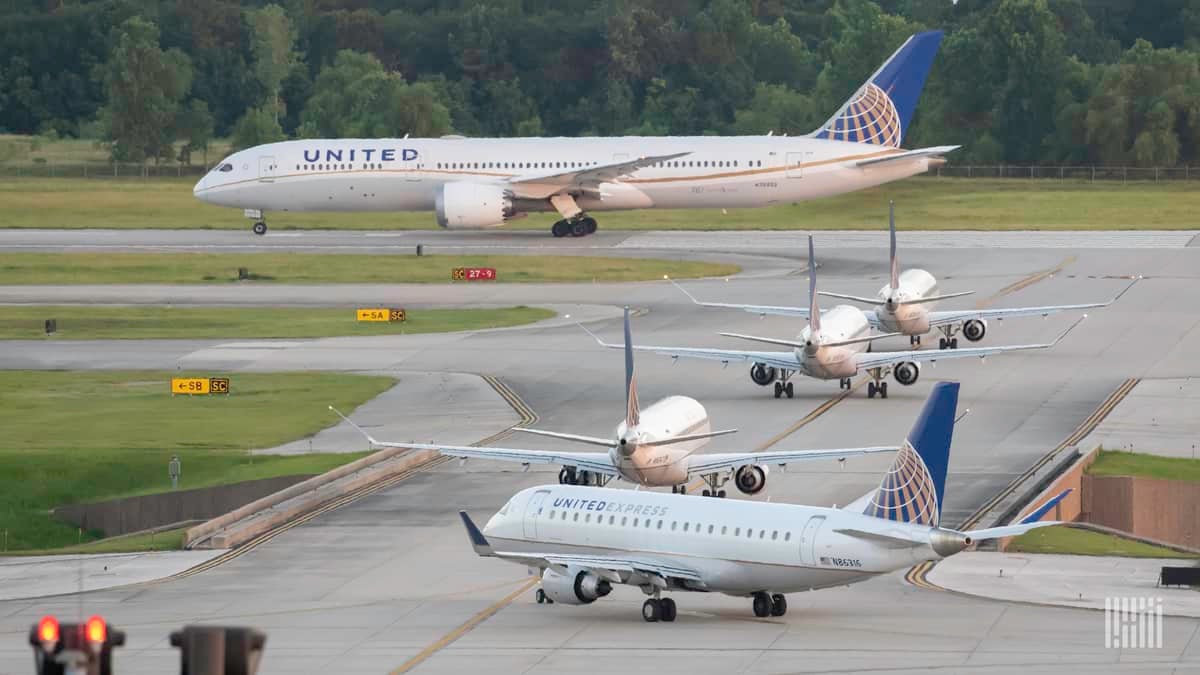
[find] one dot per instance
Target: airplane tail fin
(895, 263)
(912, 489)
(814, 312)
(632, 412)
(880, 111)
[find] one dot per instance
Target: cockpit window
(225, 168)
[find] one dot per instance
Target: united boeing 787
(476, 183)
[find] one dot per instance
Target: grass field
(84, 436)
(90, 322)
(922, 203)
(166, 540)
(1111, 463)
(1078, 541)
(314, 268)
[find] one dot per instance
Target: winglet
(479, 542)
(595, 337)
(892, 230)
(685, 291)
(814, 313)
(357, 428)
(1124, 290)
(1044, 508)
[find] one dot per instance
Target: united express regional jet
(582, 540)
(904, 306)
(835, 345)
(654, 447)
(476, 183)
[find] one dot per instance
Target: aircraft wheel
(791, 391)
(650, 610)
(591, 225)
(941, 343)
(666, 610)
(883, 390)
(778, 389)
(953, 343)
(260, 228)
(560, 229)
(762, 604)
(721, 494)
(540, 596)
(870, 390)
(578, 228)
(778, 605)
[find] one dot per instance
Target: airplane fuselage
(661, 465)
(738, 546)
(410, 174)
(843, 322)
(909, 319)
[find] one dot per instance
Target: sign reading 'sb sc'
(199, 386)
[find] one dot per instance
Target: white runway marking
(761, 239)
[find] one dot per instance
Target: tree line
(1051, 81)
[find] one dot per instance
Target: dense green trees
(1017, 80)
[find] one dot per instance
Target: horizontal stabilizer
(908, 155)
(1029, 522)
(852, 298)
(590, 440)
(690, 437)
(936, 298)
(888, 540)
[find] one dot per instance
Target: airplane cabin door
(266, 169)
(533, 513)
(795, 163)
(808, 540)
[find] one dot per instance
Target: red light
(95, 630)
(48, 629)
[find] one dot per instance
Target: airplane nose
(199, 188)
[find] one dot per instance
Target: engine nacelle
(466, 205)
(750, 479)
(907, 372)
(974, 329)
(763, 374)
(574, 588)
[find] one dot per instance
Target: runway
(390, 578)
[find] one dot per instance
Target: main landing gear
(655, 609)
(769, 605)
(580, 226)
(948, 342)
(782, 386)
(877, 386)
(715, 482)
(914, 340)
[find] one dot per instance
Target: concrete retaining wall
(134, 514)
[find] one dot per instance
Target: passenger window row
(337, 167)
(651, 523)
(577, 165)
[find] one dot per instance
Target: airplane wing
(868, 360)
(588, 178)
(623, 569)
(942, 318)
(699, 465)
(765, 310)
(598, 462)
(910, 154)
(784, 360)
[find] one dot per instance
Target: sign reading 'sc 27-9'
(366, 154)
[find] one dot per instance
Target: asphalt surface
(389, 581)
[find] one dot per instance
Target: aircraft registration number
(844, 562)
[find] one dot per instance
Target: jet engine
(763, 374)
(576, 587)
(472, 205)
(907, 372)
(974, 329)
(750, 479)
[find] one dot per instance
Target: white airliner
(485, 182)
(904, 306)
(585, 539)
(654, 447)
(834, 345)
